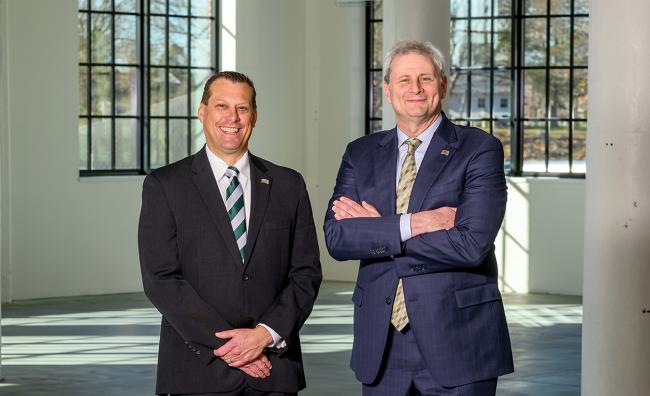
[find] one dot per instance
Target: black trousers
(239, 392)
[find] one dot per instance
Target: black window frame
(143, 117)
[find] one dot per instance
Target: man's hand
(244, 346)
(432, 220)
(258, 368)
(345, 208)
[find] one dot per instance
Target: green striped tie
(235, 208)
(399, 317)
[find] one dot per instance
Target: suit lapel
(203, 179)
(261, 184)
(437, 156)
(385, 172)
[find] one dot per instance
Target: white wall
(540, 246)
(66, 237)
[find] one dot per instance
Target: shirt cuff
(278, 342)
(405, 227)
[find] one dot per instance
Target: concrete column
(616, 328)
(426, 20)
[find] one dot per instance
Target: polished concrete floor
(106, 345)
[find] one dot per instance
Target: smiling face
(416, 91)
(228, 119)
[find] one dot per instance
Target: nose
(232, 114)
(415, 87)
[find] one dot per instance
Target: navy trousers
(404, 373)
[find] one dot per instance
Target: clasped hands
(421, 222)
(244, 350)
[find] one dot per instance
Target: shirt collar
(425, 136)
(219, 166)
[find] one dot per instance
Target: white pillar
(425, 20)
(616, 328)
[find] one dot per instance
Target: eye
(243, 109)
(220, 106)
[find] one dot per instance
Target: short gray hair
(424, 48)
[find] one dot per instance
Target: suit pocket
(357, 296)
(477, 295)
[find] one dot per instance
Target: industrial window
(142, 66)
(525, 64)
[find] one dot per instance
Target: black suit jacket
(193, 274)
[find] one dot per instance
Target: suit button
(198, 352)
(388, 300)
(246, 277)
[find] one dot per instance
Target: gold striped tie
(399, 317)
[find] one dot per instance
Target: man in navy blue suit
(420, 205)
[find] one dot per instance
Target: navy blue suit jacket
(449, 276)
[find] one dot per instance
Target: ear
(387, 93)
(443, 87)
(201, 112)
(253, 118)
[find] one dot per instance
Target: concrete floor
(106, 345)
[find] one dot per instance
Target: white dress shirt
(425, 137)
(219, 167)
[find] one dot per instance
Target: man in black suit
(233, 292)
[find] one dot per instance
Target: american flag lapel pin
(445, 152)
(264, 181)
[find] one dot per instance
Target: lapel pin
(264, 181)
(445, 152)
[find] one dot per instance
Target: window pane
(101, 90)
(125, 39)
(580, 94)
(459, 48)
(560, 7)
(157, 143)
(126, 5)
(579, 147)
(483, 125)
(376, 126)
(501, 129)
(83, 144)
(535, 7)
(83, 4)
(559, 93)
(377, 94)
(480, 87)
(198, 137)
(157, 97)
(178, 100)
(158, 6)
(126, 143)
(535, 42)
(502, 88)
(199, 77)
(157, 41)
(178, 7)
(502, 42)
(481, 8)
(101, 5)
(459, 8)
(83, 37)
(558, 147)
(101, 144)
(378, 9)
(503, 8)
(377, 47)
(178, 41)
(126, 87)
(457, 101)
(560, 41)
(202, 7)
(535, 94)
(202, 37)
(177, 140)
(480, 42)
(100, 33)
(83, 90)
(534, 147)
(581, 6)
(580, 41)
